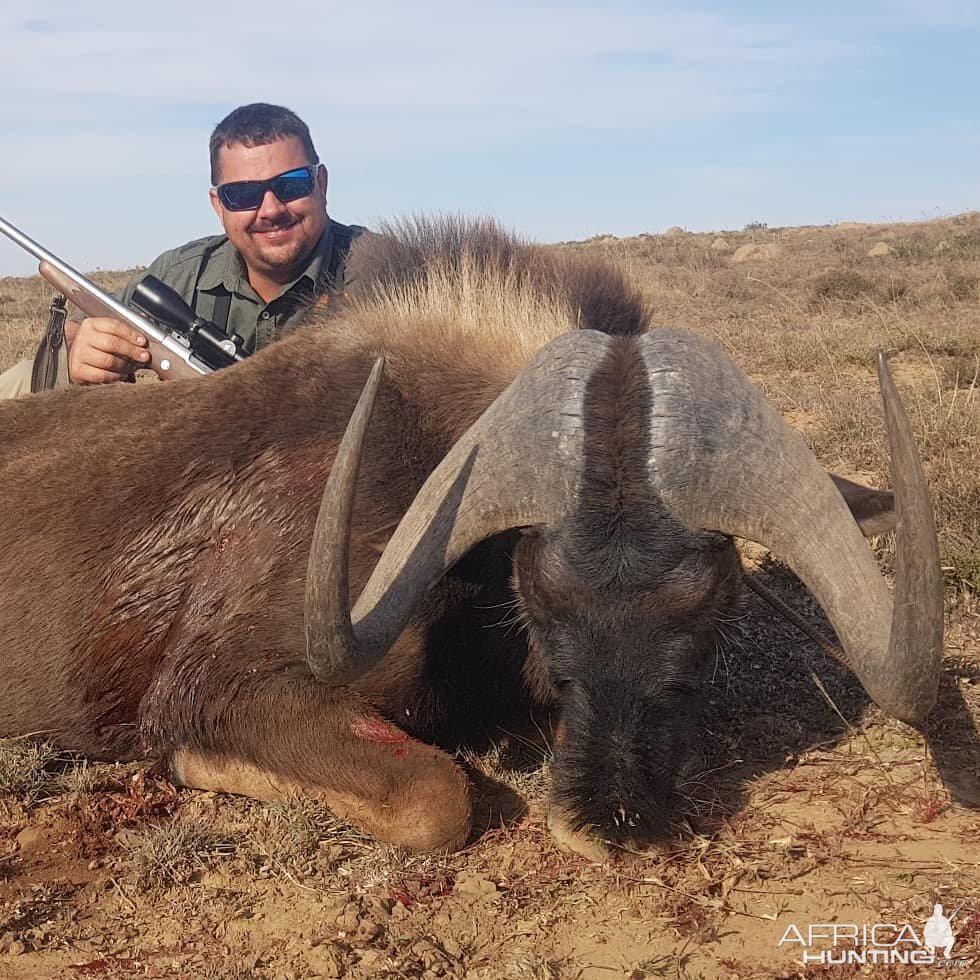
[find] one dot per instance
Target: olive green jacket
(209, 268)
(209, 273)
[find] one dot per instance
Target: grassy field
(813, 807)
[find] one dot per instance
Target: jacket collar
(225, 269)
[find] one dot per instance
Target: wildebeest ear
(525, 578)
(874, 510)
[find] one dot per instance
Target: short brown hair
(255, 125)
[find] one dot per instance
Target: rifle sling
(44, 374)
(222, 307)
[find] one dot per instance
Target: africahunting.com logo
(882, 942)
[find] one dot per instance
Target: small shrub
(288, 836)
(892, 290)
(756, 226)
(962, 371)
(914, 247)
(25, 767)
(964, 246)
(841, 284)
(173, 855)
(963, 287)
(963, 571)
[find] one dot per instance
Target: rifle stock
(162, 361)
(169, 358)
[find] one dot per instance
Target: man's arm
(102, 350)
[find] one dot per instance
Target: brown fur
(154, 544)
(155, 537)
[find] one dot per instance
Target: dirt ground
(812, 808)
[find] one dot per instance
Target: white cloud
(123, 87)
(424, 57)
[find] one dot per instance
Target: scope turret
(165, 305)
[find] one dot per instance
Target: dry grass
(24, 311)
(299, 840)
(173, 855)
(25, 767)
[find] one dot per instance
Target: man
(279, 253)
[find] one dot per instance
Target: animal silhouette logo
(938, 933)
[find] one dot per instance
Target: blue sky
(562, 118)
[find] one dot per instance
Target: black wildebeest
(177, 567)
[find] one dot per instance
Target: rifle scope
(157, 300)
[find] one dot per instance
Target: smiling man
(279, 253)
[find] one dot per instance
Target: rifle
(186, 346)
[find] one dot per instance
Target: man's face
(275, 240)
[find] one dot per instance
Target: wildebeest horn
(328, 625)
(720, 457)
(519, 464)
(742, 470)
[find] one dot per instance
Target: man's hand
(104, 350)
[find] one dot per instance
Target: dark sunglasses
(247, 195)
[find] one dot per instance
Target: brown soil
(815, 809)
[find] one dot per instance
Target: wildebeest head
(632, 462)
(622, 605)
(622, 622)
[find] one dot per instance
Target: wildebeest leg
(276, 735)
